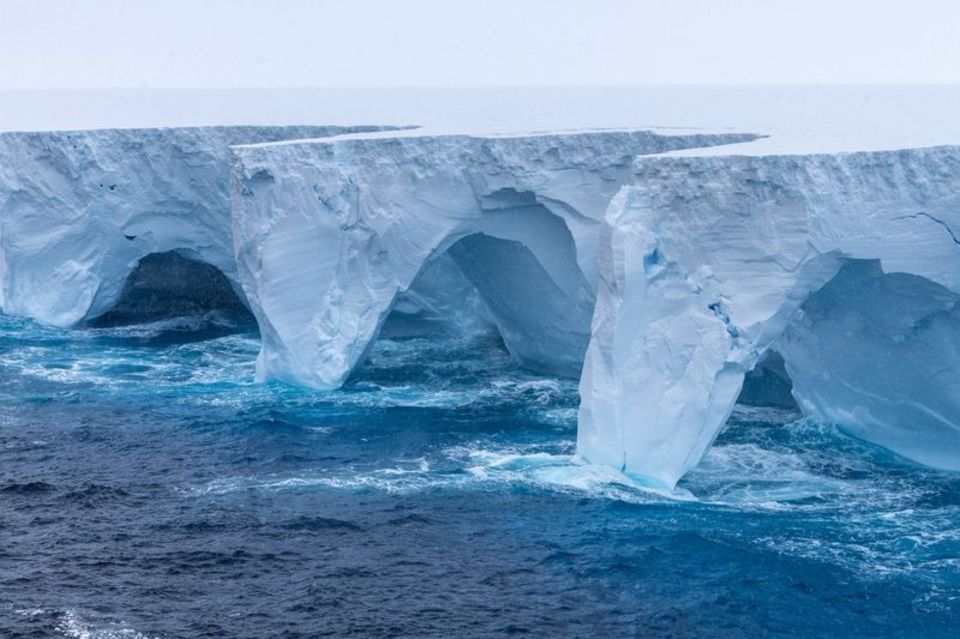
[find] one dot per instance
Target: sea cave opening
(768, 384)
(512, 274)
(169, 285)
(876, 353)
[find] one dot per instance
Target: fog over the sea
(62, 44)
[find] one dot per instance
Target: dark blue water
(149, 489)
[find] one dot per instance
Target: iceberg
(80, 209)
(663, 267)
(848, 265)
(330, 233)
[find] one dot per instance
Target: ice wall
(708, 262)
(78, 210)
(672, 272)
(328, 233)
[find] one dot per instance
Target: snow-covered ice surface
(798, 119)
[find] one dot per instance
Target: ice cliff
(329, 233)
(848, 265)
(660, 271)
(79, 209)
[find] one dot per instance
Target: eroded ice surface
(712, 261)
(692, 252)
(79, 209)
(328, 233)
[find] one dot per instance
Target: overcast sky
(319, 43)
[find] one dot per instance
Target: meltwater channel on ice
(607, 340)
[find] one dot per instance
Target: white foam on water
(871, 521)
(73, 624)
(473, 467)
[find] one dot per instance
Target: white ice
(712, 261)
(674, 235)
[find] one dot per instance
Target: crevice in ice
(720, 310)
(953, 236)
(166, 285)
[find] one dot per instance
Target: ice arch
(711, 261)
(518, 257)
(79, 209)
(328, 234)
(514, 279)
(523, 262)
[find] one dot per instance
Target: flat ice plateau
(657, 243)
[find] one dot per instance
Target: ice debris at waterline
(664, 270)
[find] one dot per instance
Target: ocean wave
(75, 624)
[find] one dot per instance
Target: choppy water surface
(149, 489)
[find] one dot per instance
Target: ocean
(150, 489)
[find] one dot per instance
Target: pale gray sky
(287, 43)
